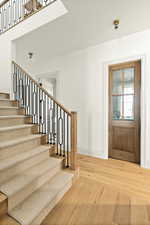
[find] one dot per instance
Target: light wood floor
(108, 192)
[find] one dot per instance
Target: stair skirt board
(32, 180)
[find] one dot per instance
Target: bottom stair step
(37, 206)
(20, 187)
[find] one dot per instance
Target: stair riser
(4, 96)
(14, 134)
(28, 190)
(15, 121)
(8, 103)
(7, 174)
(11, 111)
(21, 147)
(52, 204)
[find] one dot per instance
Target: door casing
(144, 128)
(133, 127)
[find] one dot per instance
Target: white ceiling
(88, 22)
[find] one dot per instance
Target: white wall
(7, 48)
(81, 87)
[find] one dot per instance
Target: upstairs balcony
(13, 12)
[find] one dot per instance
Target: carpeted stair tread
(26, 177)
(2, 129)
(19, 140)
(9, 107)
(9, 162)
(8, 100)
(13, 116)
(26, 212)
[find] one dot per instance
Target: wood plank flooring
(3, 204)
(108, 192)
(6, 220)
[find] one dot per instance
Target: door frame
(143, 110)
(137, 65)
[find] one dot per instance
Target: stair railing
(53, 119)
(13, 12)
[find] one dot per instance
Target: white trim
(143, 105)
(88, 153)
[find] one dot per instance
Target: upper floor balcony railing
(13, 12)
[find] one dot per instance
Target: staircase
(38, 138)
(30, 177)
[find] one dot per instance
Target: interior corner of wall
(93, 153)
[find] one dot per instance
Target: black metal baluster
(49, 122)
(60, 133)
(17, 87)
(64, 131)
(40, 110)
(34, 103)
(21, 88)
(25, 93)
(42, 113)
(53, 120)
(57, 133)
(54, 123)
(38, 102)
(27, 96)
(18, 72)
(67, 140)
(14, 82)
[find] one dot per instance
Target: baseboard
(100, 155)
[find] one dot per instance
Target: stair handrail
(46, 92)
(28, 92)
(3, 3)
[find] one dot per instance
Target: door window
(123, 94)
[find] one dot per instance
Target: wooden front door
(124, 111)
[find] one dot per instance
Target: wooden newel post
(73, 154)
(34, 5)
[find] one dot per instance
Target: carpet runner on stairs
(33, 181)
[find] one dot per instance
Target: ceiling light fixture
(116, 24)
(30, 55)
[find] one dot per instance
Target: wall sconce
(116, 24)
